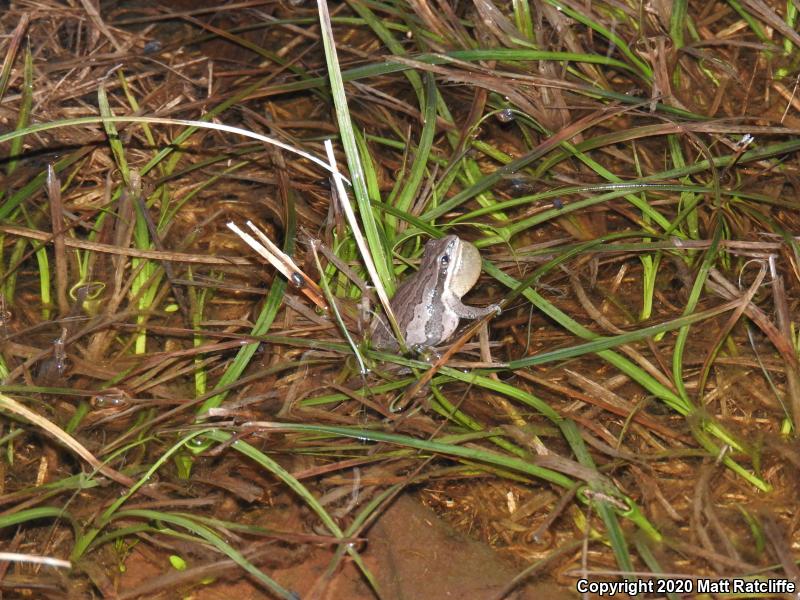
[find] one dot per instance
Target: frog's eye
(445, 260)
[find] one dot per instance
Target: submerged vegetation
(629, 172)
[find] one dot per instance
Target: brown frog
(428, 304)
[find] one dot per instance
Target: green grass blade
(411, 187)
(206, 533)
(677, 22)
(356, 168)
(23, 114)
(113, 135)
(282, 474)
(691, 304)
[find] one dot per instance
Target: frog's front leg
(466, 311)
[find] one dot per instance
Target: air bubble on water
(506, 115)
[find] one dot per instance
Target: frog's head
(459, 262)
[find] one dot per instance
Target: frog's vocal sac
(428, 304)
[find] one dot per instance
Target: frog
(428, 304)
